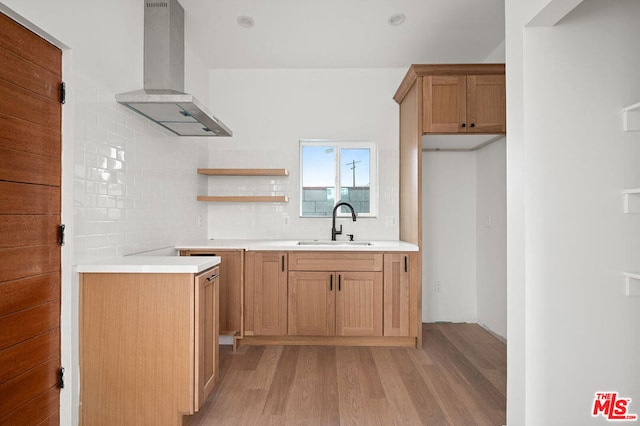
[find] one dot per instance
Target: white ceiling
(343, 33)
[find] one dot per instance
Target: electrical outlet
(437, 286)
(286, 220)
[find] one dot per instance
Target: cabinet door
(396, 294)
(359, 304)
(231, 287)
(267, 283)
(206, 334)
(311, 303)
(486, 109)
(444, 104)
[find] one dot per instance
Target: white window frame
(339, 144)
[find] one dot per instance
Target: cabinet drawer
(334, 261)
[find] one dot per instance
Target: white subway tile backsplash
(135, 186)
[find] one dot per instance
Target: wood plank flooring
(458, 378)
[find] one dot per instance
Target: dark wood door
(30, 167)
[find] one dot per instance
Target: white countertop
(151, 264)
(293, 245)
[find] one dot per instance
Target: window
(333, 171)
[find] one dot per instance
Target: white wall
(132, 186)
(491, 237)
(269, 111)
(449, 236)
(464, 237)
(572, 331)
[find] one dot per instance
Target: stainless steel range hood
(163, 99)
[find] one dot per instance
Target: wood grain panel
(444, 104)
(23, 325)
(21, 357)
(486, 104)
(28, 385)
(28, 230)
(396, 294)
(32, 108)
(335, 261)
(359, 304)
(19, 198)
(22, 294)
(17, 39)
(270, 293)
(23, 262)
(153, 362)
(22, 135)
(312, 303)
(43, 410)
(18, 166)
(29, 76)
(30, 148)
(411, 166)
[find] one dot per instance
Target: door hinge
(61, 378)
(61, 235)
(63, 93)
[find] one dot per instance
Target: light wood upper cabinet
(456, 98)
(486, 104)
(445, 104)
(266, 293)
(464, 104)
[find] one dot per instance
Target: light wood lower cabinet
(400, 294)
(326, 302)
(231, 288)
(266, 293)
(335, 303)
(148, 346)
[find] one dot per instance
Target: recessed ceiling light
(245, 21)
(396, 19)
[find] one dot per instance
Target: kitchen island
(148, 338)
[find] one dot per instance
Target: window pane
(318, 180)
(355, 179)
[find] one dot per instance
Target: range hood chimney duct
(163, 99)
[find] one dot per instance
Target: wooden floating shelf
(244, 172)
(244, 198)
(631, 118)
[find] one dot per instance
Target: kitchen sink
(333, 243)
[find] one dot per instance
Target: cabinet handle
(463, 125)
(473, 124)
(331, 282)
(213, 277)
(405, 264)
(283, 263)
(339, 282)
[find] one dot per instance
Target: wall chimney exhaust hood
(163, 99)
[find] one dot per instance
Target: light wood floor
(458, 378)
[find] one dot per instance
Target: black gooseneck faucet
(334, 231)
